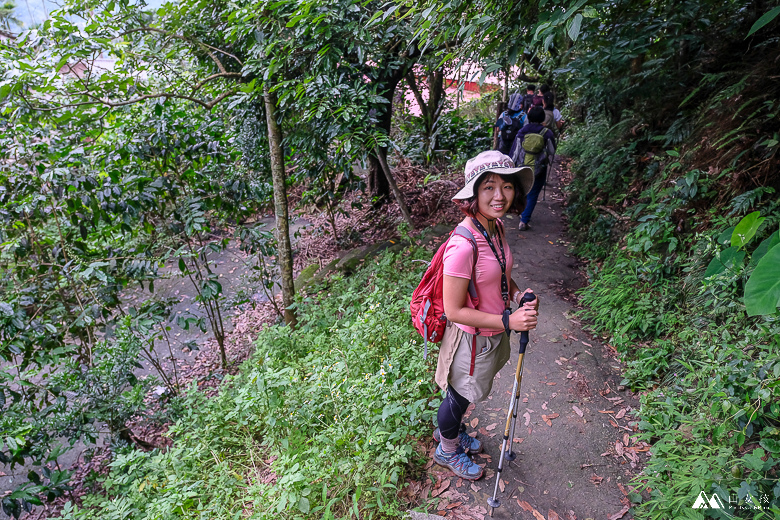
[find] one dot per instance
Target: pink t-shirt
(459, 261)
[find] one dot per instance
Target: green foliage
(321, 420)
(675, 306)
(76, 401)
(642, 300)
(459, 137)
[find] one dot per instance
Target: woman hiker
(475, 344)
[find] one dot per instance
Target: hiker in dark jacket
(528, 99)
(548, 100)
(540, 161)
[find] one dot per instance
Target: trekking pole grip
(527, 297)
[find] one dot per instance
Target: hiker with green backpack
(534, 146)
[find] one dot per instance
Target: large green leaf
(764, 247)
(768, 17)
(746, 229)
(724, 238)
(762, 291)
(726, 259)
(574, 28)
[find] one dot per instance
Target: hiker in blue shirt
(510, 122)
(533, 146)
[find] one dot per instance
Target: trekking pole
(550, 168)
(511, 414)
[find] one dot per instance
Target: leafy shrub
(321, 420)
(461, 134)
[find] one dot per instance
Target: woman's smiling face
(495, 195)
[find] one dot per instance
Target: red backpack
(427, 306)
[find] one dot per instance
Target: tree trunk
(280, 207)
(377, 180)
(396, 192)
(435, 97)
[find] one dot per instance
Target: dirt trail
(576, 453)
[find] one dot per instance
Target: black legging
(451, 413)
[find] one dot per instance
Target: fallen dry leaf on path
(517, 440)
(570, 515)
(619, 448)
(442, 488)
(626, 439)
(552, 515)
(527, 507)
(491, 427)
(606, 411)
(527, 418)
(577, 411)
(621, 413)
(619, 514)
(596, 479)
(474, 488)
(552, 384)
(474, 422)
(501, 485)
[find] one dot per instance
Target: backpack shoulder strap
(468, 235)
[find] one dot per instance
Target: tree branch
(113, 104)
(199, 43)
(412, 82)
(215, 76)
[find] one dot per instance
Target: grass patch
(320, 421)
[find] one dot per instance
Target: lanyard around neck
(501, 260)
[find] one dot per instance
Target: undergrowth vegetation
(670, 225)
(321, 420)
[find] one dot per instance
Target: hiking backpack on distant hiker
(510, 122)
(508, 127)
(549, 121)
(533, 151)
(528, 102)
(427, 305)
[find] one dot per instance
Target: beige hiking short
(470, 362)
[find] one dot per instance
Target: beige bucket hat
(493, 161)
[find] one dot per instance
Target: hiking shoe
(466, 441)
(459, 463)
(524, 226)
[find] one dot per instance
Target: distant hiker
(475, 345)
(510, 122)
(528, 99)
(538, 100)
(534, 146)
(548, 100)
(553, 119)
